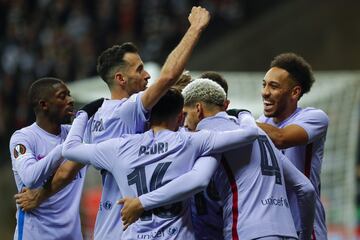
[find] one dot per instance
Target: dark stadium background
(63, 38)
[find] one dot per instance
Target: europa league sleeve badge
(19, 150)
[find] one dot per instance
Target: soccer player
(36, 154)
(207, 205)
(122, 69)
(143, 162)
(299, 132)
(251, 179)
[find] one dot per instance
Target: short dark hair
(111, 58)
(169, 105)
(299, 70)
(41, 89)
(216, 77)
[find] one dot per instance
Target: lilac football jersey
(307, 158)
(35, 155)
(251, 184)
(152, 160)
(113, 119)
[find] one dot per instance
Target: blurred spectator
(62, 39)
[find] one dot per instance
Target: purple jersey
(113, 119)
(250, 181)
(152, 160)
(307, 158)
(199, 176)
(35, 155)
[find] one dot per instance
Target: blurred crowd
(63, 38)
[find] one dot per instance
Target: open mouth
(268, 105)
(70, 111)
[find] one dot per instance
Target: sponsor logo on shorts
(19, 150)
(276, 202)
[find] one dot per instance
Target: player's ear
(43, 105)
(181, 118)
(199, 110)
(296, 92)
(226, 104)
(119, 79)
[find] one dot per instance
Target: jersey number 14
(138, 177)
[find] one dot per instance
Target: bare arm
(289, 136)
(175, 62)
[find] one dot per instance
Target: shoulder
(26, 133)
(313, 115)
(135, 97)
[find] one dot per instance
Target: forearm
(275, 134)
(74, 148)
(246, 134)
(63, 176)
(33, 173)
(306, 203)
(305, 194)
(175, 63)
(182, 187)
(289, 136)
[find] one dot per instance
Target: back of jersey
(251, 183)
(154, 159)
(114, 118)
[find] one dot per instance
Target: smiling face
(59, 105)
(280, 94)
(134, 74)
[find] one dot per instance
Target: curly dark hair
(112, 58)
(299, 70)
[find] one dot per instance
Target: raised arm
(176, 61)
(179, 189)
(305, 194)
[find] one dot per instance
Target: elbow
(253, 133)
(201, 183)
(280, 142)
(167, 78)
(310, 191)
(66, 151)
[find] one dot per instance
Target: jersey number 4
(266, 169)
(138, 177)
